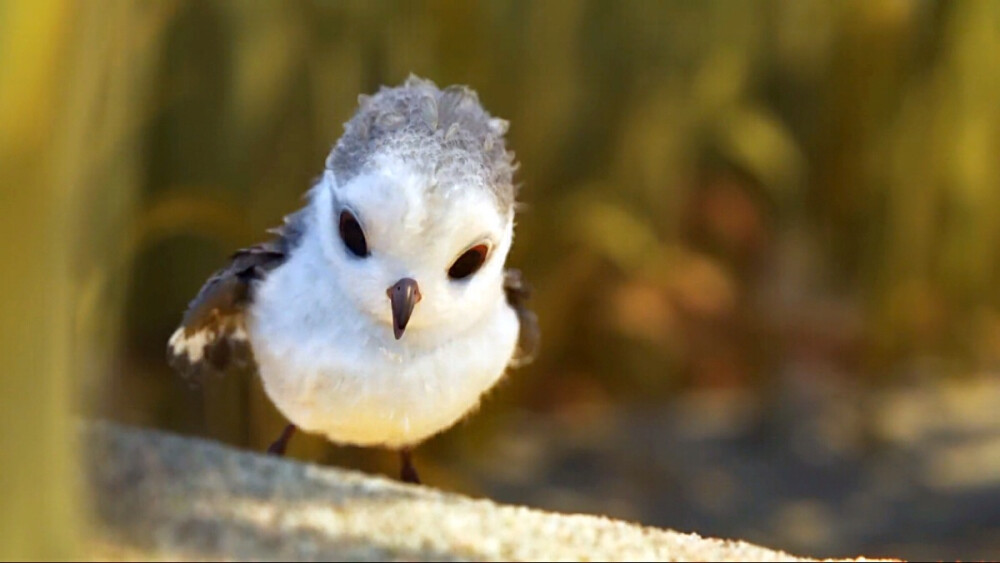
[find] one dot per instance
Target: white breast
(333, 371)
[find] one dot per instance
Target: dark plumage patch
(212, 337)
(529, 337)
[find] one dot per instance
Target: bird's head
(416, 208)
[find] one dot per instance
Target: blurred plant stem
(39, 518)
(72, 97)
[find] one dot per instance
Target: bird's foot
(281, 444)
(408, 473)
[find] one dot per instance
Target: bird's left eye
(469, 262)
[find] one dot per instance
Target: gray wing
(212, 337)
(529, 336)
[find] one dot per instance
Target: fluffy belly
(377, 391)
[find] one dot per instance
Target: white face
(414, 229)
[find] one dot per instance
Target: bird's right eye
(352, 235)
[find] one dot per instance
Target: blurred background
(764, 239)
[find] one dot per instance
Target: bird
(381, 312)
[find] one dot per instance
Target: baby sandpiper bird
(380, 313)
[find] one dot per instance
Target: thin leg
(407, 473)
(279, 445)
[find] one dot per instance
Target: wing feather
(212, 337)
(529, 337)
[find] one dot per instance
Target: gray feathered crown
(444, 133)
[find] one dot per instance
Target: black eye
(353, 236)
(469, 262)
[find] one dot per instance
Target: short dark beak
(403, 295)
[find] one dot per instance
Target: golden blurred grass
(38, 514)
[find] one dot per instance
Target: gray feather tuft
(389, 122)
(429, 112)
(499, 126)
(446, 133)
